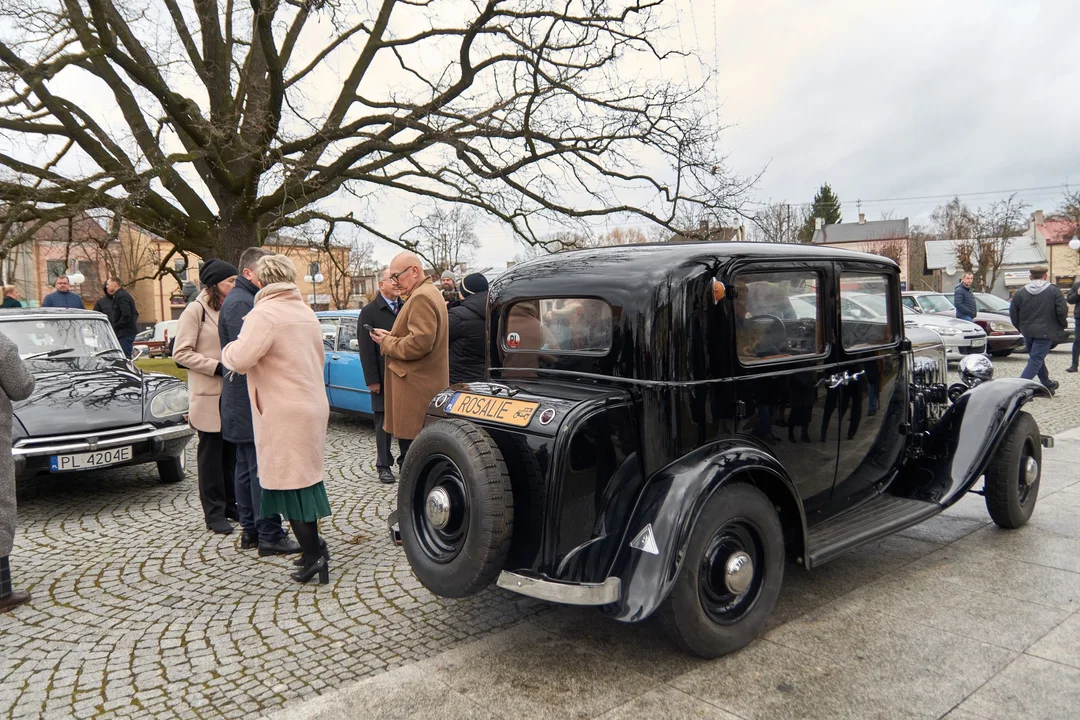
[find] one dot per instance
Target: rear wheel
(731, 574)
(455, 508)
(172, 469)
(1012, 479)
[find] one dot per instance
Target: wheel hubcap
(1030, 468)
(437, 508)
(738, 572)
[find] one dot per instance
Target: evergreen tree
(826, 205)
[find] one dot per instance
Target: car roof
(39, 313)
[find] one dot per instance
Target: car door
(870, 404)
(784, 357)
(348, 389)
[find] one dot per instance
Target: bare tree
(1069, 209)
(997, 223)
(894, 249)
(212, 125)
(445, 238)
(779, 222)
(953, 221)
(622, 236)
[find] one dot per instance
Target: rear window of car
(558, 326)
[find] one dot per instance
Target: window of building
(56, 268)
(865, 315)
(777, 316)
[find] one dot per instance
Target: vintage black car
(91, 406)
(659, 432)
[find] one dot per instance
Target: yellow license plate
(501, 410)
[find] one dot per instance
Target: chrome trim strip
(167, 433)
(80, 436)
(560, 592)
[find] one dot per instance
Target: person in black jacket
(468, 322)
(380, 313)
(124, 314)
(266, 534)
(1074, 300)
(105, 303)
(1039, 310)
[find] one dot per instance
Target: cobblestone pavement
(139, 611)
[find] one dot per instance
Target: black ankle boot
(323, 550)
(9, 598)
(320, 567)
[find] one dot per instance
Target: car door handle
(335, 357)
(854, 377)
(834, 381)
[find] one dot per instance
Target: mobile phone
(369, 328)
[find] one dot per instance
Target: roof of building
(861, 232)
(1057, 232)
(1022, 251)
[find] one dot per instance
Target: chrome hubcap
(437, 508)
(1030, 469)
(738, 573)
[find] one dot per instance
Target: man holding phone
(380, 314)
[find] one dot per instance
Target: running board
(882, 516)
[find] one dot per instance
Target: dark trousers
(1076, 349)
(127, 344)
(217, 490)
(403, 448)
(383, 442)
(1036, 364)
(249, 497)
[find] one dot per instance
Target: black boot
(324, 551)
(9, 598)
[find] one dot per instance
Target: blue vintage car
(343, 375)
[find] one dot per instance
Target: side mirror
(354, 344)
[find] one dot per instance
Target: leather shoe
(18, 597)
(249, 541)
(1054, 385)
(284, 546)
(221, 527)
(1071, 368)
(386, 475)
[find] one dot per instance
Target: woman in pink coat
(280, 349)
(198, 348)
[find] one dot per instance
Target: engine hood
(80, 395)
(937, 321)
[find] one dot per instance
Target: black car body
(658, 433)
(91, 406)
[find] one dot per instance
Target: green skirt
(305, 505)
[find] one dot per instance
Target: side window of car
(865, 315)
(329, 332)
(347, 334)
(777, 316)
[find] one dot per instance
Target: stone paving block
(1061, 645)
(668, 703)
(1029, 688)
(1028, 544)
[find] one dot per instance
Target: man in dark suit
(379, 313)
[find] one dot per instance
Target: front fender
(961, 444)
(671, 503)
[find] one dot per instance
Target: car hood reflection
(76, 395)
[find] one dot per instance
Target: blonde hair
(275, 269)
(7, 289)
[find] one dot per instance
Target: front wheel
(1012, 479)
(172, 469)
(731, 574)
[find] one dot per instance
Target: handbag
(173, 341)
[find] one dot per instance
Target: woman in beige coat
(280, 349)
(198, 349)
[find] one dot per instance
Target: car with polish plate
(660, 432)
(92, 407)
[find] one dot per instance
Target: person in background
(264, 533)
(124, 314)
(379, 313)
(11, 297)
(62, 297)
(1039, 310)
(417, 351)
(1074, 300)
(104, 304)
(468, 323)
(17, 383)
(964, 299)
(280, 349)
(198, 348)
(449, 290)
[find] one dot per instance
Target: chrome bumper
(560, 592)
(89, 442)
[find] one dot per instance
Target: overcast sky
(887, 99)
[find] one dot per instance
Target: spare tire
(455, 508)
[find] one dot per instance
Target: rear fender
(960, 445)
(670, 504)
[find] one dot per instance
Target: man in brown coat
(417, 351)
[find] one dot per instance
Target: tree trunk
(236, 233)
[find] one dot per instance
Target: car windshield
(61, 337)
(936, 303)
(992, 303)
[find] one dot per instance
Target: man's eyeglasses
(394, 277)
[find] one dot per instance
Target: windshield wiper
(48, 353)
(107, 350)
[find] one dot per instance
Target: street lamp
(75, 277)
(313, 279)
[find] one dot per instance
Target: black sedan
(91, 407)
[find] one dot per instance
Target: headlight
(1001, 326)
(976, 369)
(169, 403)
(946, 331)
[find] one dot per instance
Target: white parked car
(159, 342)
